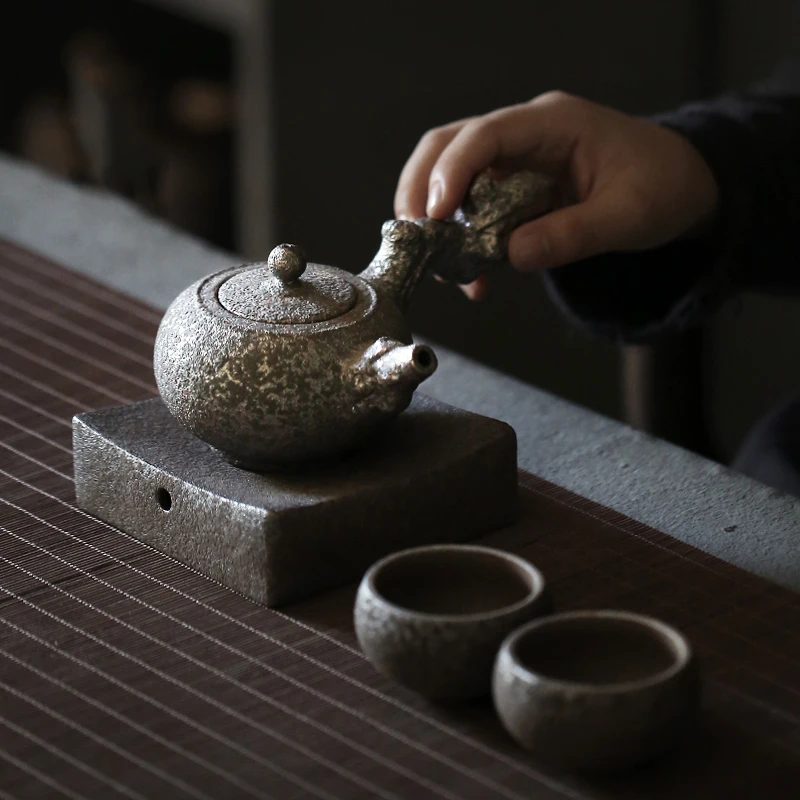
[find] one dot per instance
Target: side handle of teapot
(462, 247)
(476, 237)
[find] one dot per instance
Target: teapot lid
(287, 291)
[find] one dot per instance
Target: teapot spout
(390, 371)
(405, 365)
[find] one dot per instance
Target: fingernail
(435, 196)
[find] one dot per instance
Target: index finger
(411, 195)
(535, 134)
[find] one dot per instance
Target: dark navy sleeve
(751, 141)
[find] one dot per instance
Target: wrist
(701, 193)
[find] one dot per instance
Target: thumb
(571, 234)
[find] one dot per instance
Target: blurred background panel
(248, 123)
(753, 346)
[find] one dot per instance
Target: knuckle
(475, 124)
(433, 136)
(482, 128)
(440, 135)
(555, 96)
(568, 105)
(502, 113)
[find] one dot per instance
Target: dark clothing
(751, 141)
(771, 451)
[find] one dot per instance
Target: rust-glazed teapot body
(290, 380)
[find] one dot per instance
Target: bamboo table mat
(125, 674)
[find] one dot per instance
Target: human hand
(622, 183)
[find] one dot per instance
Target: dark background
(352, 86)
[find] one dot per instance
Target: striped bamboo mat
(125, 674)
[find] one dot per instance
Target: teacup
(596, 690)
(433, 618)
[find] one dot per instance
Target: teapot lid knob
(287, 263)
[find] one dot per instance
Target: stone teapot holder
(288, 450)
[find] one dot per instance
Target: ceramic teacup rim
(538, 584)
(681, 650)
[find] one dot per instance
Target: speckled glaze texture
(256, 294)
(266, 393)
(287, 363)
(442, 657)
(590, 728)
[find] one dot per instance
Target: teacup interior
(453, 582)
(596, 650)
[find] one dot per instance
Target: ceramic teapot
(288, 362)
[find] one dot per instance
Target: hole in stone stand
(164, 499)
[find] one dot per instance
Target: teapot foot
(310, 467)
